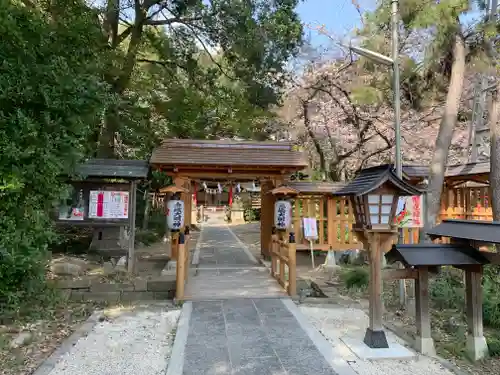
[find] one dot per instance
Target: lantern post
(374, 195)
(175, 220)
(284, 233)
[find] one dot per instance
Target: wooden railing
(283, 261)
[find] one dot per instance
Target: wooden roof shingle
(320, 187)
(173, 152)
(113, 168)
(372, 178)
(476, 230)
(435, 255)
(456, 170)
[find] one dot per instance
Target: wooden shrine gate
(190, 162)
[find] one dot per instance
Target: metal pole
(396, 87)
(397, 117)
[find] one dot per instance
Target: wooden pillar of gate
(266, 216)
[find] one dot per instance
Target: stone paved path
(232, 329)
(224, 269)
(249, 337)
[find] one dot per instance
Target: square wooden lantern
(374, 195)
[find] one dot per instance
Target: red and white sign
(108, 204)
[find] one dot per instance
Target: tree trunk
(119, 82)
(147, 209)
(445, 134)
(315, 141)
(494, 120)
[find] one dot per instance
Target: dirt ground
(403, 321)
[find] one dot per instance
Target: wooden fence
(335, 216)
(470, 203)
(283, 261)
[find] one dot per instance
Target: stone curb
(84, 329)
(176, 362)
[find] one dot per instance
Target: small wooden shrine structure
(104, 197)
(467, 238)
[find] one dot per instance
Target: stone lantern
(374, 194)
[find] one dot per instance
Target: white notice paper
(108, 204)
(310, 228)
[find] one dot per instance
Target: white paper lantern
(175, 214)
(282, 214)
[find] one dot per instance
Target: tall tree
(51, 92)
(254, 39)
(445, 42)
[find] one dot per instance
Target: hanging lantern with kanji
(283, 207)
(282, 214)
(175, 214)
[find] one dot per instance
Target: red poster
(417, 214)
(100, 204)
(230, 195)
(195, 193)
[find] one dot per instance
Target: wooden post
(274, 259)
(423, 341)
(375, 335)
(282, 239)
(292, 265)
(131, 212)
(476, 347)
(266, 216)
(187, 237)
(174, 243)
(331, 214)
(181, 268)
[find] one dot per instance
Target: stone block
(140, 285)
(163, 296)
(65, 294)
(107, 287)
(137, 296)
(66, 269)
(77, 295)
(111, 297)
(72, 284)
(161, 285)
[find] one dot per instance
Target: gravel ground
(337, 322)
(134, 343)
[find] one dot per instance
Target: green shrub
(157, 222)
(147, 237)
(356, 278)
(51, 96)
(491, 299)
(447, 290)
(493, 345)
(252, 214)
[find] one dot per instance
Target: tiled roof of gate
(228, 152)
